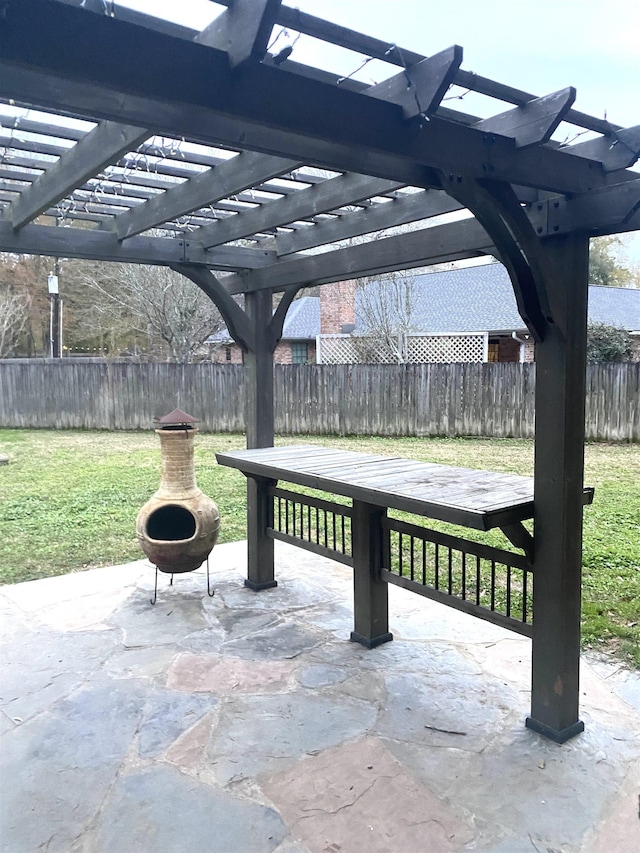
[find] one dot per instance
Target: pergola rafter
(437, 244)
(337, 192)
(253, 174)
(228, 179)
(90, 155)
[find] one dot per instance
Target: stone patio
(247, 723)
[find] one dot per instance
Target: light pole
(55, 313)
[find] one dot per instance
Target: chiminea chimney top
(177, 419)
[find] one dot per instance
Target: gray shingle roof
(473, 299)
(616, 306)
(301, 323)
(303, 319)
(481, 299)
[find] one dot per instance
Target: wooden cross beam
(618, 149)
(533, 122)
(411, 207)
(101, 146)
(243, 30)
(421, 87)
(613, 210)
(418, 90)
(102, 246)
(404, 251)
(237, 174)
(336, 192)
(261, 107)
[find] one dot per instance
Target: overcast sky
(539, 46)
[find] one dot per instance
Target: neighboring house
(459, 315)
(467, 314)
(298, 342)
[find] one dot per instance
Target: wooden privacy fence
(414, 399)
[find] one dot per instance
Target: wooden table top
(464, 496)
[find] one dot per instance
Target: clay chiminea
(178, 527)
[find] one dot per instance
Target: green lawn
(69, 499)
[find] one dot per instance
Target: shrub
(607, 343)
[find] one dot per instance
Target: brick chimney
(337, 307)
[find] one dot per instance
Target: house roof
(615, 306)
(472, 299)
(481, 299)
(303, 319)
(301, 323)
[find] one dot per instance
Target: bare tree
(14, 317)
(164, 307)
(386, 311)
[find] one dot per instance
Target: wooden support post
(559, 468)
(259, 544)
(370, 592)
(259, 416)
(258, 362)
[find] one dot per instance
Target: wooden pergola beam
(619, 149)
(101, 146)
(237, 174)
(418, 90)
(336, 192)
(242, 30)
(353, 40)
(404, 251)
(399, 211)
(421, 87)
(533, 122)
(613, 210)
(265, 107)
(94, 244)
(360, 43)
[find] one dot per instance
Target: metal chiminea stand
(178, 527)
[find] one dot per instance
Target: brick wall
(282, 354)
(530, 350)
(337, 306)
(509, 350)
(219, 354)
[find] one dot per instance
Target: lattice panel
(421, 349)
(445, 349)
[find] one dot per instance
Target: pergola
(251, 174)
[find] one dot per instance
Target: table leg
(260, 574)
(370, 592)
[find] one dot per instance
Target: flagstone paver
(161, 809)
(218, 674)
(256, 734)
(358, 797)
(249, 722)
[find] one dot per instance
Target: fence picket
(368, 399)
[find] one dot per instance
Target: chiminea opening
(171, 523)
